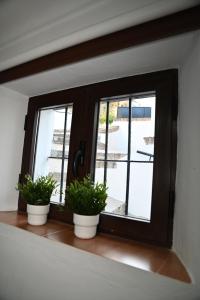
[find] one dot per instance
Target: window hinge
(171, 203)
(20, 178)
(25, 122)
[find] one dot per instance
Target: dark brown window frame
(164, 83)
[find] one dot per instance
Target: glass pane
(140, 192)
(50, 146)
(116, 182)
(142, 128)
(118, 130)
(101, 138)
(57, 130)
(68, 130)
(55, 166)
(99, 172)
(64, 180)
(54, 169)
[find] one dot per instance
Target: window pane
(68, 130)
(55, 166)
(101, 138)
(54, 169)
(99, 172)
(116, 182)
(57, 129)
(140, 192)
(64, 179)
(117, 131)
(142, 128)
(52, 144)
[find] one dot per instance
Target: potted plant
(86, 199)
(37, 194)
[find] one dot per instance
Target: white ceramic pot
(85, 226)
(37, 214)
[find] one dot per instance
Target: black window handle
(145, 153)
(78, 158)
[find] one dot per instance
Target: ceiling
(30, 29)
(159, 55)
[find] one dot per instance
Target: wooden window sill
(146, 257)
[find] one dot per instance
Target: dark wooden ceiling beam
(171, 25)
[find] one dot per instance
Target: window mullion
(36, 143)
(128, 156)
(106, 142)
(63, 155)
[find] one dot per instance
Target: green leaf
(86, 198)
(37, 192)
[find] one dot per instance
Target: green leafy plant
(37, 192)
(84, 197)
(111, 118)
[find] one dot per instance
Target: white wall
(35, 28)
(13, 107)
(187, 210)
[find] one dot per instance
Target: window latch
(78, 158)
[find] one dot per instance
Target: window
(52, 147)
(125, 151)
(126, 129)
